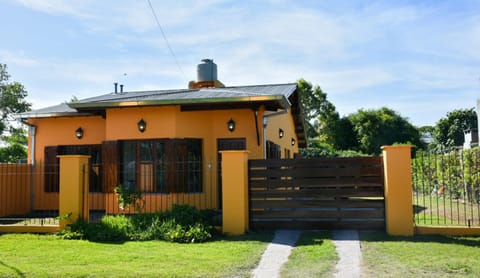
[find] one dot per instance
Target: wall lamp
(79, 133)
(281, 133)
(231, 125)
(293, 142)
(142, 125)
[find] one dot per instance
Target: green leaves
(448, 131)
(12, 98)
(364, 131)
(316, 107)
(376, 127)
(129, 197)
(12, 101)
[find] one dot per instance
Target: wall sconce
(280, 133)
(231, 125)
(142, 125)
(293, 142)
(79, 133)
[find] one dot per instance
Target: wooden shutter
(52, 183)
(111, 164)
(177, 165)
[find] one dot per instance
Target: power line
(165, 38)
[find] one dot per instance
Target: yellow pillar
(74, 185)
(398, 190)
(235, 192)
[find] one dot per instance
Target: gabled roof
(60, 110)
(277, 95)
(273, 97)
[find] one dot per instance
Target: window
(52, 165)
(273, 150)
(164, 166)
(51, 169)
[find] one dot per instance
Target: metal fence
(24, 195)
(29, 194)
(446, 188)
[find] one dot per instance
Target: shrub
(76, 230)
(111, 229)
(182, 224)
(187, 215)
(456, 172)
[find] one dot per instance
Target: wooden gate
(327, 193)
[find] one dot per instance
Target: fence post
(74, 184)
(235, 192)
(398, 190)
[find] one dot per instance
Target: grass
(419, 256)
(314, 256)
(441, 210)
(27, 255)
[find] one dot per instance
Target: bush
(187, 215)
(456, 172)
(182, 224)
(111, 229)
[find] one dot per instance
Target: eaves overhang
(278, 100)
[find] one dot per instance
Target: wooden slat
(299, 214)
(359, 225)
(318, 162)
(318, 203)
(317, 193)
(316, 172)
(326, 182)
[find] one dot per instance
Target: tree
(316, 107)
(375, 128)
(448, 131)
(16, 149)
(12, 99)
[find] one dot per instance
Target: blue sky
(420, 58)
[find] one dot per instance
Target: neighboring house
(471, 138)
(167, 141)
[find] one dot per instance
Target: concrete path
(276, 254)
(348, 249)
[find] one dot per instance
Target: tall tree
(377, 127)
(12, 99)
(448, 131)
(16, 149)
(316, 107)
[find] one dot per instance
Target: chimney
(121, 88)
(115, 85)
(206, 76)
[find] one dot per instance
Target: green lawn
(314, 256)
(419, 256)
(440, 210)
(26, 255)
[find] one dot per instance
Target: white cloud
(57, 7)
(18, 58)
(355, 51)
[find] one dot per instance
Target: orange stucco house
(166, 142)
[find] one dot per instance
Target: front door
(229, 144)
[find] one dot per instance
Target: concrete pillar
(74, 185)
(235, 192)
(398, 190)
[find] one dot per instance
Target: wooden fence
(317, 193)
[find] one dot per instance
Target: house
(470, 138)
(166, 143)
